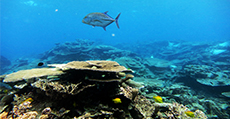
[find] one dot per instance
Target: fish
(117, 100)
(100, 19)
(41, 63)
(158, 99)
(190, 113)
(27, 100)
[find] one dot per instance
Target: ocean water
(31, 27)
(164, 36)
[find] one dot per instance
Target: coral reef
(86, 89)
(207, 75)
(32, 73)
(20, 112)
(136, 65)
(192, 74)
(184, 95)
(177, 111)
(81, 50)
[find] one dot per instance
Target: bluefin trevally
(100, 19)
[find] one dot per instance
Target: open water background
(30, 27)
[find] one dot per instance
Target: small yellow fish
(190, 113)
(158, 99)
(117, 100)
(28, 99)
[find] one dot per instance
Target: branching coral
(72, 89)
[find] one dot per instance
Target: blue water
(31, 27)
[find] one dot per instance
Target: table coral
(86, 90)
(31, 73)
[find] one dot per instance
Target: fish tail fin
(116, 20)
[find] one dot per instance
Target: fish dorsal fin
(108, 19)
(106, 12)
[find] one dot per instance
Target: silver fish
(100, 19)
